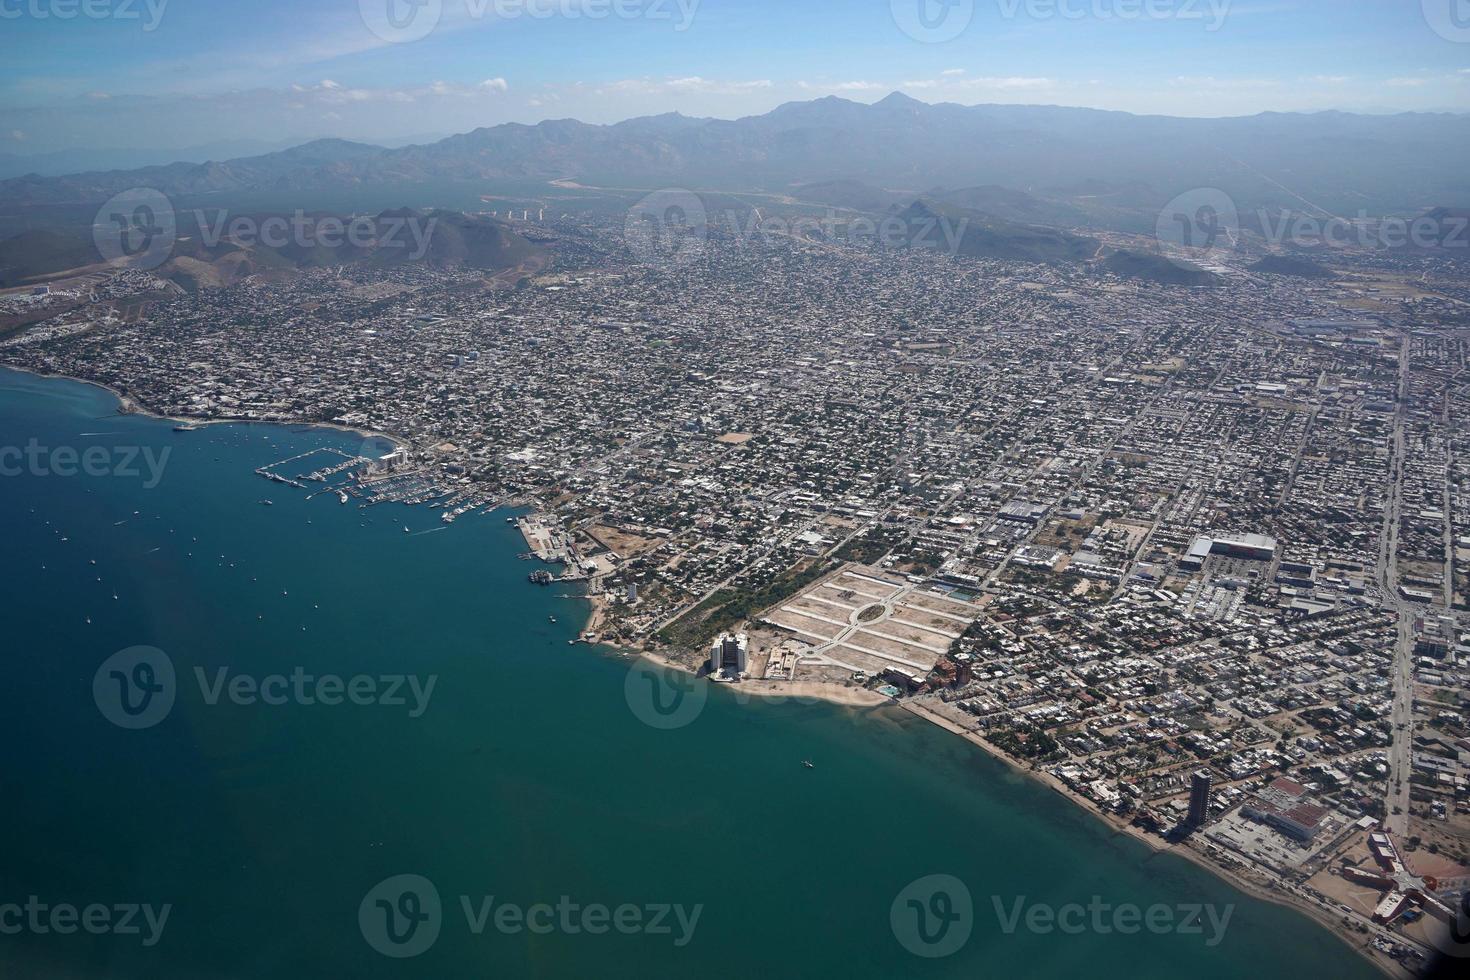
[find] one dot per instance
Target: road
(1401, 716)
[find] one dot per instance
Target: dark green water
(527, 778)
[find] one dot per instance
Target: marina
(206, 575)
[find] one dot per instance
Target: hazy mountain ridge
(1400, 163)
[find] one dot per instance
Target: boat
(807, 764)
(407, 531)
(267, 503)
(552, 618)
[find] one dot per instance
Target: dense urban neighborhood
(1199, 557)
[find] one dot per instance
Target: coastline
(850, 697)
(130, 405)
(1234, 878)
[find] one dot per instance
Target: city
(1198, 558)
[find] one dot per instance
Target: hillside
(203, 257)
(982, 236)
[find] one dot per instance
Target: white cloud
(688, 84)
(495, 84)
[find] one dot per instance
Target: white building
(729, 655)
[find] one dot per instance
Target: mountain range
(1081, 164)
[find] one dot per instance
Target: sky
(191, 73)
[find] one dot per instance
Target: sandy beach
(853, 696)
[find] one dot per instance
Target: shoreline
(819, 691)
(1157, 845)
(131, 405)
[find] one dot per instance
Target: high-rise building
(729, 655)
(1199, 798)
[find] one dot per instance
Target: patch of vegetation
(870, 547)
(728, 607)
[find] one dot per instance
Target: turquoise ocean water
(528, 777)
